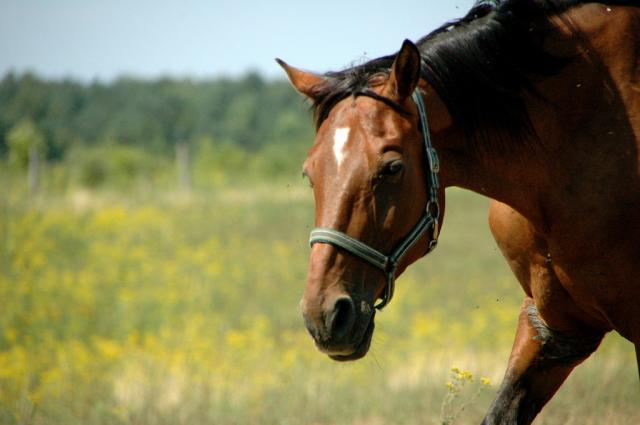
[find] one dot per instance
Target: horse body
(586, 221)
(576, 255)
(566, 209)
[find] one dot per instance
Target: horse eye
(392, 168)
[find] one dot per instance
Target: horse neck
(517, 177)
(585, 129)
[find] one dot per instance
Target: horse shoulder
(513, 236)
(527, 253)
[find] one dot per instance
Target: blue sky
(90, 39)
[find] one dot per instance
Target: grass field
(183, 309)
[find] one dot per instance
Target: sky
(104, 39)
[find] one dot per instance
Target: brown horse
(533, 103)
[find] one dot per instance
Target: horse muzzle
(343, 330)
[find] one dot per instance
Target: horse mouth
(360, 350)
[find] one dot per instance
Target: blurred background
(154, 225)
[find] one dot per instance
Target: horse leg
(540, 361)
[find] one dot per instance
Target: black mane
(480, 65)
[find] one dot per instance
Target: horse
(534, 104)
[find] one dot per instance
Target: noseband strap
(429, 220)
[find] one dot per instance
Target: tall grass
(182, 309)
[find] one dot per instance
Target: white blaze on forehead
(339, 141)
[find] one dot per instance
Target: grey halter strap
(429, 220)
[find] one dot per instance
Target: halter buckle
(432, 157)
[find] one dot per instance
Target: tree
(26, 147)
(24, 137)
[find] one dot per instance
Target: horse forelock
(349, 82)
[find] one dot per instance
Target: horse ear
(305, 82)
(405, 72)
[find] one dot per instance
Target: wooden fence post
(182, 166)
(34, 166)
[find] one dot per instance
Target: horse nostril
(342, 318)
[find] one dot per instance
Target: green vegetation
(173, 309)
(129, 300)
(126, 132)
(155, 115)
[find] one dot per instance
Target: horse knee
(561, 348)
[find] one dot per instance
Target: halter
(429, 220)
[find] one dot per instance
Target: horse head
(370, 177)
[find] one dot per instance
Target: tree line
(127, 127)
(249, 112)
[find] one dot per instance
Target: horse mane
(481, 66)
